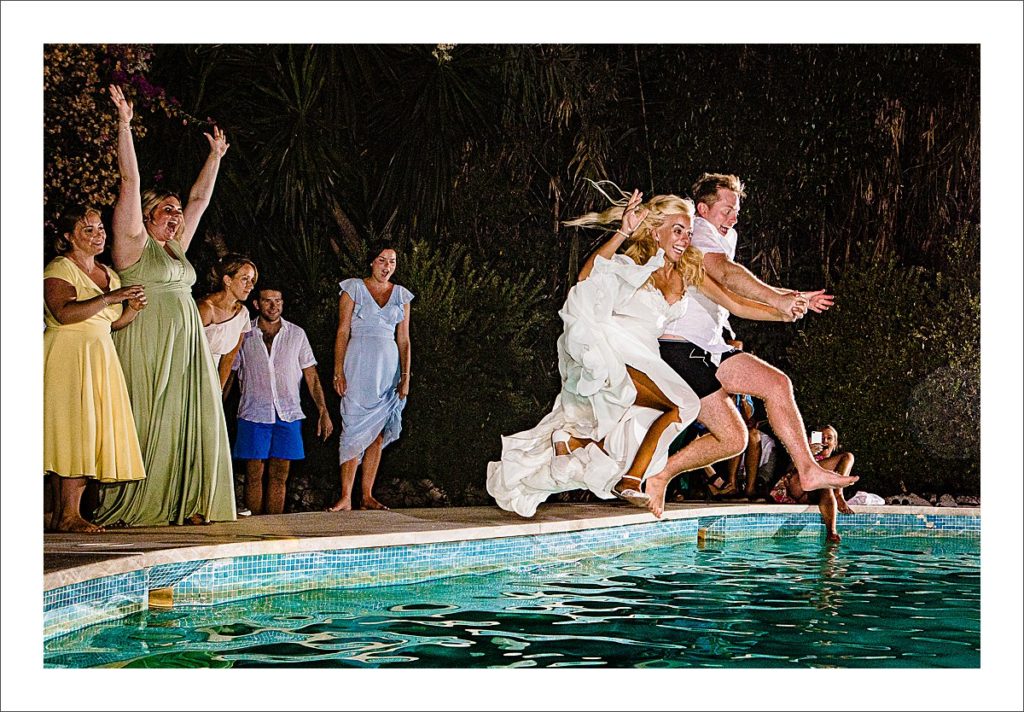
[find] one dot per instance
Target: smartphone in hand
(815, 437)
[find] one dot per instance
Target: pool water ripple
(787, 602)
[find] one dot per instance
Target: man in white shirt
(694, 347)
(274, 358)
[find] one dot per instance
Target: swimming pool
(899, 600)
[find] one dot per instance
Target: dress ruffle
(611, 320)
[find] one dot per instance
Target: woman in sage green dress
(171, 377)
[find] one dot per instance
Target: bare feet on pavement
(78, 526)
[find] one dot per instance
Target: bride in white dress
(620, 405)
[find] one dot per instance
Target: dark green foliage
(862, 169)
(895, 367)
(477, 364)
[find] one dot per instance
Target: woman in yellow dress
(88, 428)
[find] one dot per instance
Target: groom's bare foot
(816, 477)
(655, 488)
(371, 503)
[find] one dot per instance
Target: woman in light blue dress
(372, 360)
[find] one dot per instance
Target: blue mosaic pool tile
(71, 607)
(224, 580)
(221, 580)
(166, 575)
(862, 524)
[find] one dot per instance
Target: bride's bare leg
(575, 443)
(648, 395)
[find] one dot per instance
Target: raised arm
(129, 229)
(345, 308)
(632, 216)
(404, 353)
(202, 189)
(740, 305)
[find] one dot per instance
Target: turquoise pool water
(790, 602)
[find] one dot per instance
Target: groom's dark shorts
(694, 365)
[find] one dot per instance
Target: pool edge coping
(145, 560)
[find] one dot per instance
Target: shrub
(895, 367)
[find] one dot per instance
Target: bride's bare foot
(370, 503)
(77, 525)
(342, 505)
(655, 488)
(816, 477)
(841, 504)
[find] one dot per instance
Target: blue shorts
(258, 441)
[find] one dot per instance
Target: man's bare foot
(841, 504)
(655, 488)
(77, 525)
(371, 503)
(342, 505)
(817, 477)
(833, 537)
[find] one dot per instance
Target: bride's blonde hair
(642, 245)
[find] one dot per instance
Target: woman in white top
(225, 318)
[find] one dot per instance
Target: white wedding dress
(612, 319)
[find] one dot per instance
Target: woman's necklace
(92, 270)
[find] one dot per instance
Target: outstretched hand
(818, 301)
(125, 111)
(792, 304)
(218, 142)
(633, 214)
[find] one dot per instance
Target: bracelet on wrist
(624, 234)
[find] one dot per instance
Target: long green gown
(176, 399)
